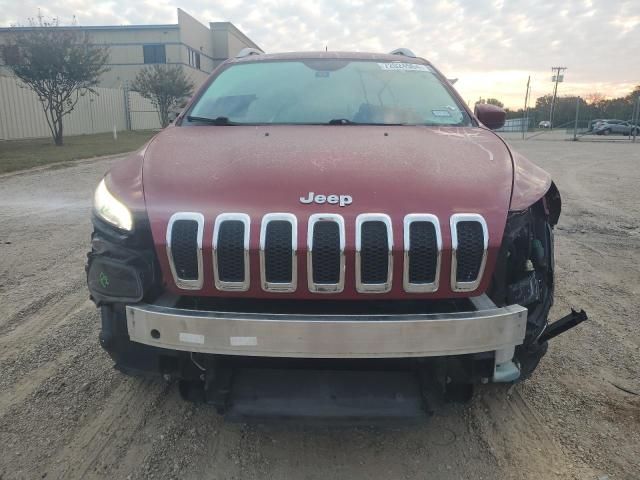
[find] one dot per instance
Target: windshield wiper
(212, 121)
(346, 121)
(341, 121)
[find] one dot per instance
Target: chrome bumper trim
(328, 336)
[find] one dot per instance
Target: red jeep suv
(326, 234)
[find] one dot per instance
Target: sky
(490, 46)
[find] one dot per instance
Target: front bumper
(486, 329)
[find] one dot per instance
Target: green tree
(58, 63)
(165, 86)
(564, 112)
(595, 106)
(491, 101)
(495, 101)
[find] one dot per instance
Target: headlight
(111, 210)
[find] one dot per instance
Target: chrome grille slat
(184, 249)
(422, 253)
(374, 251)
(325, 253)
(468, 251)
(231, 233)
(278, 252)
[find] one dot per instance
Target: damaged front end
(524, 275)
(122, 269)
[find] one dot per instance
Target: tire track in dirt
(597, 269)
(18, 392)
(43, 313)
(516, 436)
(115, 432)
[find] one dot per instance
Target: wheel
(606, 132)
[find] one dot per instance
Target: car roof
(380, 57)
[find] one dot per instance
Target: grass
(23, 154)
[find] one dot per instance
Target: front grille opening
(184, 249)
(423, 253)
(470, 251)
(278, 253)
(325, 255)
(230, 251)
(374, 252)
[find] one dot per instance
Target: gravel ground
(65, 413)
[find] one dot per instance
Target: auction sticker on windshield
(404, 67)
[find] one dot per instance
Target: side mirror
(491, 116)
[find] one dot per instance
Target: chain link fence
(584, 126)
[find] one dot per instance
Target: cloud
(492, 46)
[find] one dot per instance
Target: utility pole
(635, 119)
(526, 108)
(557, 78)
(575, 123)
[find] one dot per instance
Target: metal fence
(515, 125)
(583, 127)
(21, 114)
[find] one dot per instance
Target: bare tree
(594, 98)
(58, 63)
(165, 86)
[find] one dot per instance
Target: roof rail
(404, 52)
(246, 52)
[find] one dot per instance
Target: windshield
(328, 91)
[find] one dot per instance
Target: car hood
(385, 169)
(393, 170)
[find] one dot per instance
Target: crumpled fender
(530, 184)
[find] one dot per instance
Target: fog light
(114, 281)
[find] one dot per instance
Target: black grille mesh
(326, 252)
(278, 252)
(423, 252)
(374, 252)
(184, 248)
(230, 251)
(470, 250)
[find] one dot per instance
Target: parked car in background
(621, 127)
(594, 123)
(544, 124)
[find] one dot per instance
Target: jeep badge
(342, 200)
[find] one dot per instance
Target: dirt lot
(65, 413)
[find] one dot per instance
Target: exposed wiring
(197, 364)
